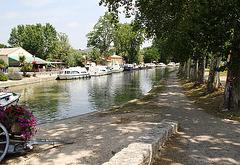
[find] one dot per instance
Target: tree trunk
(201, 71)
(185, 69)
(193, 71)
(188, 68)
(180, 70)
(212, 78)
(233, 101)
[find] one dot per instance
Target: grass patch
(208, 102)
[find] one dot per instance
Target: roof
(28, 59)
(116, 56)
(7, 51)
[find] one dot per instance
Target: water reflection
(54, 100)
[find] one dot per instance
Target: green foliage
(102, 35)
(152, 54)
(95, 55)
(3, 65)
(3, 46)
(3, 77)
(25, 67)
(78, 58)
(127, 41)
(64, 48)
(36, 39)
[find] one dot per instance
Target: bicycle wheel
(4, 141)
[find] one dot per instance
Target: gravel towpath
(202, 138)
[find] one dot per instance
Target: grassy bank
(208, 102)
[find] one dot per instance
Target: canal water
(59, 99)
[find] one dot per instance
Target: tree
(36, 39)
(3, 46)
(208, 27)
(151, 54)
(3, 65)
(78, 57)
(127, 40)
(24, 65)
(102, 35)
(64, 48)
(95, 55)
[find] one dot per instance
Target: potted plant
(17, 119)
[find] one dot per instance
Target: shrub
(15, 76)
(3, 77)
(27, 75)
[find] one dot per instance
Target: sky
(75, 18)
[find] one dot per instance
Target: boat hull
(7, 99)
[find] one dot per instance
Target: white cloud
(10, 15)
(74, 25)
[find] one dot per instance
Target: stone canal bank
(30, 80)
(113, 138)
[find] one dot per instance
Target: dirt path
(97, 137)
(202, 138)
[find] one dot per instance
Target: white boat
(128, 67)
(90, 65)
(8, 98)
(96, 71)
(117, 68)
(151, 65)
(109, 70)
(171, 64)
(142, 65)
(135, 67)
(160, 65)
(104, 70)
(73, 73)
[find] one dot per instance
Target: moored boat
(116, 68)
(128, 67)
(171, 64)
(160, 65)
(8, 98)
(151, 65)
(73, 73)
(142, 65)
(96, 71)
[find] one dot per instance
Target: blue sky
(75, 18)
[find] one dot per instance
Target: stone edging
(147, 146)
(26, 81)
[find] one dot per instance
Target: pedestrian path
(202, 138)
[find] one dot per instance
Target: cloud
(10, 15)
(74, 25)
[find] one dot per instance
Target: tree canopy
(191, 30)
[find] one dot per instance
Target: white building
(11, 56)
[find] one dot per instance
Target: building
(11, 56)
(111, 60)
(115, 59)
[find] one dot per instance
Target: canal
(59, 99)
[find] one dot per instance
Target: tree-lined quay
(191, 32)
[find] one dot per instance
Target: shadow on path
(202, 138)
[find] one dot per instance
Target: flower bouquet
(16, 119)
